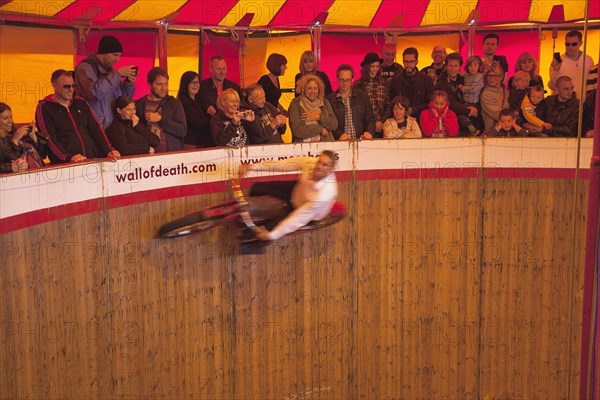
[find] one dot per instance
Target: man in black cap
(99, 83)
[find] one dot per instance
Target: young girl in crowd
(402, 126)
(438, 120)
(473, 81)
(127, 134)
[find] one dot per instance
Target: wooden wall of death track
(445, 287)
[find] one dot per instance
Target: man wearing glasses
(352, 108)
(572, 64)
(74, 134)
(415, 85)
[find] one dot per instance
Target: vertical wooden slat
(431, 288)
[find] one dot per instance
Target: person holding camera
(226, 125)
(20, 148)
(269, 124)
(99, 83)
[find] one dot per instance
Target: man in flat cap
(99, 83)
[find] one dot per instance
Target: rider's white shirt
(312, 200)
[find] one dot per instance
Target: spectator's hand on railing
(366, 136)
(78, 158)
(19, 165)
(114, 155)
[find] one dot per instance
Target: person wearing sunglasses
(73, 131)
(571, 64)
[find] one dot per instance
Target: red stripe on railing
(37, 217)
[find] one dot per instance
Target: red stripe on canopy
(86, 10)
(492, 11)
(411, 10)
(594, 10)
(205, 12)
(300, 12)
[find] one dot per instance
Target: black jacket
(260, 131)
(225, 133)
(129, 140)
(71, 131)
(562, 115)
(7, 154)
(208, 92)
(198, 124)
(172, 121)
(417, 88)
(455, 95)
(362, 112)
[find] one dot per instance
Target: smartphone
(557, 57)
(135, 67)
(30, 129)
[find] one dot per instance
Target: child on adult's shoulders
(438, 120)
(507, 126)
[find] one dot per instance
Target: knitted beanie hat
(109, 44)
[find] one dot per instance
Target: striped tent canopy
(291, 14)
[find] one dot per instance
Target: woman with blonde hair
(527, 63)
(226, 125)
(309, 65)
(311, 116)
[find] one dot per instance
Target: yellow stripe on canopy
(149, 10)
(352, 12)
(263, 11)
(45, 8)
(443, 12)
(540, 9)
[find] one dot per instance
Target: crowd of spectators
(92, 112)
